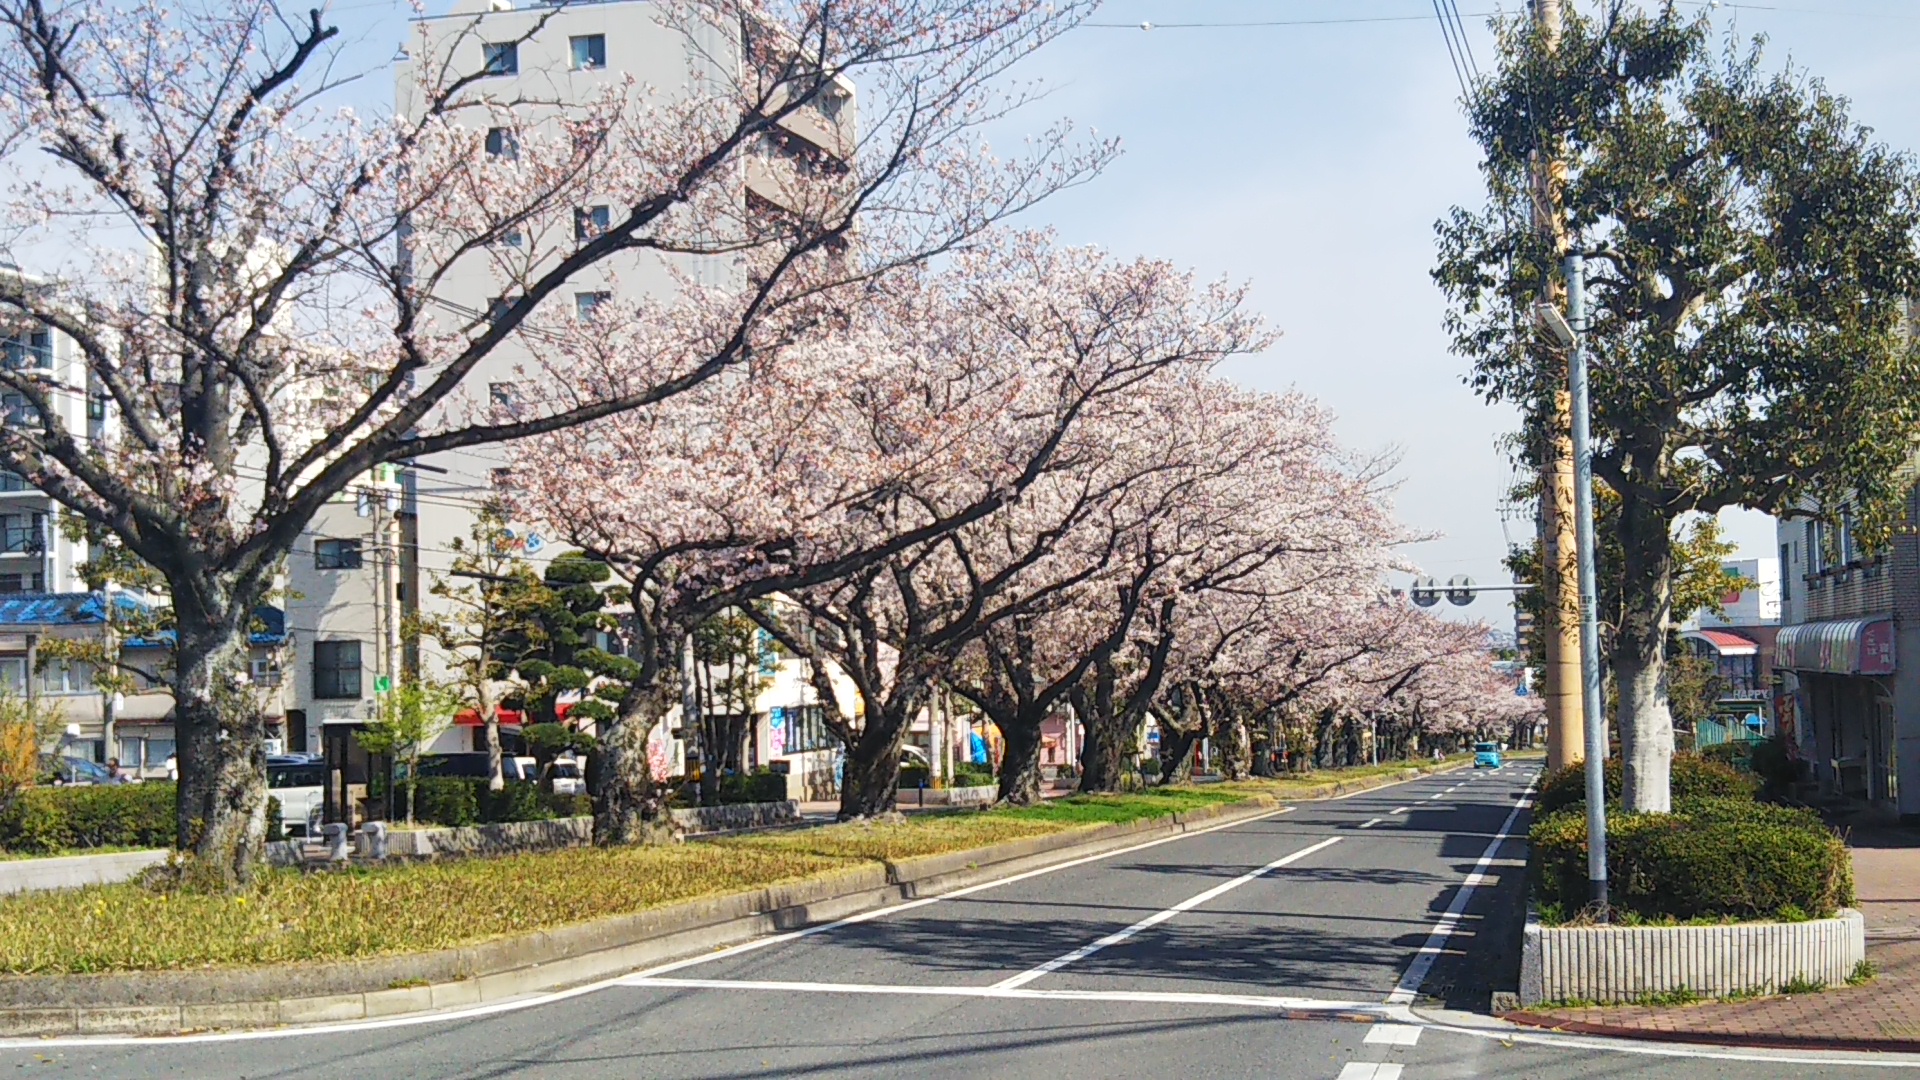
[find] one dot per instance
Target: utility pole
(1560, 675)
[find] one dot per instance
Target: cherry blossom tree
(256, 278)
(861, 473)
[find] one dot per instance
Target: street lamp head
(1553, 322)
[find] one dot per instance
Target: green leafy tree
(727, 683)
(1750, 252)
(412, 715)
(490, 623)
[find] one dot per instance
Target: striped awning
(1841, 647)
(1724, 643)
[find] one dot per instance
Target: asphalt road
(1302, 944)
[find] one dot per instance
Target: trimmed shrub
(914, 776)
(445, 800)
(49, 819)
(968, 774)
(1712, 858)
(519, 800)
(1694, 777)
(758, 786)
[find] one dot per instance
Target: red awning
(471, 717)
(1724, 643)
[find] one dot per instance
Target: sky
(1311, 160)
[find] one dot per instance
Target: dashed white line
(1393, 1035)
(1399, 809)
(1158, 917)
(1416, 973)
(1371, 822)
(1370, 1070)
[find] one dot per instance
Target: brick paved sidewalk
(1883, 1014)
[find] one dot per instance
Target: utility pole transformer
(1560, 674)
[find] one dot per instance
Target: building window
(1786, 572)
(14, 584)
(591, 221)
(17, 410)
(13, 482)
(807, 730)
(22, 534)
(30, 351)
(66, 677)
(336, 555)
(589, 51)
(336, 670)
(1818, 558)
(265, 671)
(501, 395)
(503, 143)
(96, 406)
(1849, 539)
(512, 238)
(584, 304)
(502, 58)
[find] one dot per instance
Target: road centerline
(1159, 917)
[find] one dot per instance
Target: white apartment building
(369, 560)
(34, 555)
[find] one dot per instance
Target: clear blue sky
(1312, 161)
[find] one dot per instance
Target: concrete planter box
(1627, 963)
(497, 839)
(953, 796)
(706, 819)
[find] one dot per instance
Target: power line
(1271, 22)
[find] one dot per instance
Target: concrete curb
(168, 1002)
(1756, 1040)
(75, 871)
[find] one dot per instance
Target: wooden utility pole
(1566, 727)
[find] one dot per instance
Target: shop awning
(1841, 647)
(471, 717)
(1724, 643)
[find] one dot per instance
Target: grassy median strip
(289, 916)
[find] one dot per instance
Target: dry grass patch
(289, 916)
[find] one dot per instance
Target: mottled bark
(1236, 746)
(1019, 763)
(221, 802)
(1639, 656)
(629, 805)
(870, 778)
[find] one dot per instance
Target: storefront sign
(1846, 647)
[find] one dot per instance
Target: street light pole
(1589, 628)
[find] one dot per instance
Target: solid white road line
(1371, 822)
(1416, 973)
(1157, 997)
(1159, 917)
(1393, 1034)
(536, 1000)
(1369, 1070)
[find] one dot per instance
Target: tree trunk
(490, 714)
(1236, 747)
(870, 778)
(629, 806)
(1639, 656)
(1020, 762)
(220, 815)
(1176, 754)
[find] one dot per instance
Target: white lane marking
(1508, 1034)
(1371, 822)
(1381, 787)
(1399, 809)
(1369, 1070)
(868, 916)
(1159, 917)
(1416, 973)
(1157, 997)
(1393, 1035)
(537, 1000)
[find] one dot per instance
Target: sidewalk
(1883, 1014)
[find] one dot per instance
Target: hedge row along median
(1718, 856)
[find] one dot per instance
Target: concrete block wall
(1619, 963)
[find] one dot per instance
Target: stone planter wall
(705, 819)
(1628, 963)
(509, 836)
(957, 796)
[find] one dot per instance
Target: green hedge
(969, 774)
(1712, 858)
(1694, 777)
(461, 801)
(49, 819)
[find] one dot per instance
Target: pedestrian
(114, 775)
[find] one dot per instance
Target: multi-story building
(1849, 656)
(36, 556)
(369, 560)
(1739, 638)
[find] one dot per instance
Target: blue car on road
(1486, 755)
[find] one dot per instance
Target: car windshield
(1486, 748)
(566, 769)
(305, 774)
